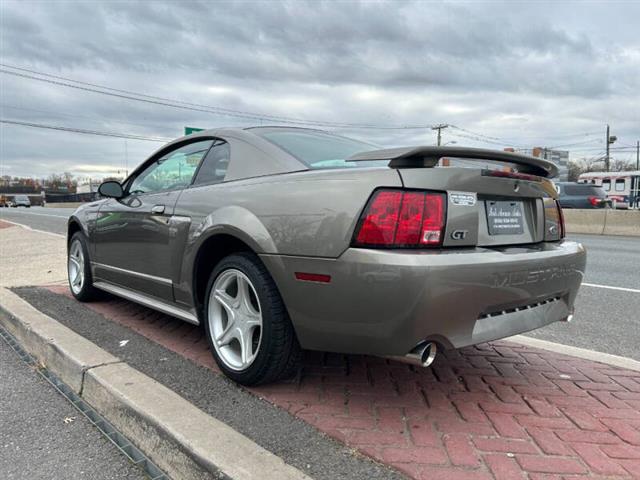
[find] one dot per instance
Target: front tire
(248, 329)
(79, 269)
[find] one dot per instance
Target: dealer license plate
(504, 217)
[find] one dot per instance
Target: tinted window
(214, 166)
(583, 190)
(318, 149)
(171, 171)
(620, 184)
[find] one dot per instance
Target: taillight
(516, 175)
(560, 219)
(594, 201)
(554, 220)
(398, 218)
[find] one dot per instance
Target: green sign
(190, 130)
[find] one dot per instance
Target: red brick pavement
(496, 411)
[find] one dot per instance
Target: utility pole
(606, 157)
(638, 155)
(609, 140)
(439, 128)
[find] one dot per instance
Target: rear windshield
(584, 189)
(318, 149)
(21, 198)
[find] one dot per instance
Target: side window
(606, 184)
(214, 166)
(173, 170)
(620, 184)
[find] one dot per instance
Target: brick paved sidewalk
(497, 411)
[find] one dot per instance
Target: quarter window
(171, 171)
(215, 164)
(620, 184)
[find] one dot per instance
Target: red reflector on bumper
(313, 277)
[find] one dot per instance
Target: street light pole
(606, 157)
(609, 140)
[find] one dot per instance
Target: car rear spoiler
(428, 157)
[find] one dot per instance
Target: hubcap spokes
(235, 319)
(75, 267)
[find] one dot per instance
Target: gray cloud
(526, 73)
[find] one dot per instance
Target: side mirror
(111, 189)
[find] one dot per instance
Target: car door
(134, 235)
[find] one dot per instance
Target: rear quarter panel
(310, 214)
(305, 213)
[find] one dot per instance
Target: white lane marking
(40, 214)
(622, 289)
(32, 229)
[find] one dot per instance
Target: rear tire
(247, 325)
(79, 269)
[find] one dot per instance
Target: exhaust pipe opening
(422, 355)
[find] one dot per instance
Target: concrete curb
(606, 358)
(64, 352)
(180, 438)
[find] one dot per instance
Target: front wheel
(79, 269)
(248, 329)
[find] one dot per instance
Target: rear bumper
(385, 302)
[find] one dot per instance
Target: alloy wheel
(75, 266)
(235, 319)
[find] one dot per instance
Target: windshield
(319, 149)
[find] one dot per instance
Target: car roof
(251, 155)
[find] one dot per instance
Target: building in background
(87, 185)
(559, 157)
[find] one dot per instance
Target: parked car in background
(622, 188)
(21, 201)
(278, 238)
(582, 195)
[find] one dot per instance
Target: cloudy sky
(502, 74)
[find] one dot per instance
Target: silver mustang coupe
(278, 238)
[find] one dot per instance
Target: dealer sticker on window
(464, 199)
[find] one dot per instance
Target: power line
(140, 97)
(575, 143)
(69, 115)
(490, 142)
(505, 141)
(84, 131)
(216, 110)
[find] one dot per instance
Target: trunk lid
(487, 210)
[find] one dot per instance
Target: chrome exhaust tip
(422, 355)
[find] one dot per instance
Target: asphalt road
(40, 218)
(42, 436)
(606, 320)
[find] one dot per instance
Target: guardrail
(603, 221)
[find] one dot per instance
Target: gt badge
(459, 234)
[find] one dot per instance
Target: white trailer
(623, 188)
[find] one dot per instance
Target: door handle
(157, 210)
